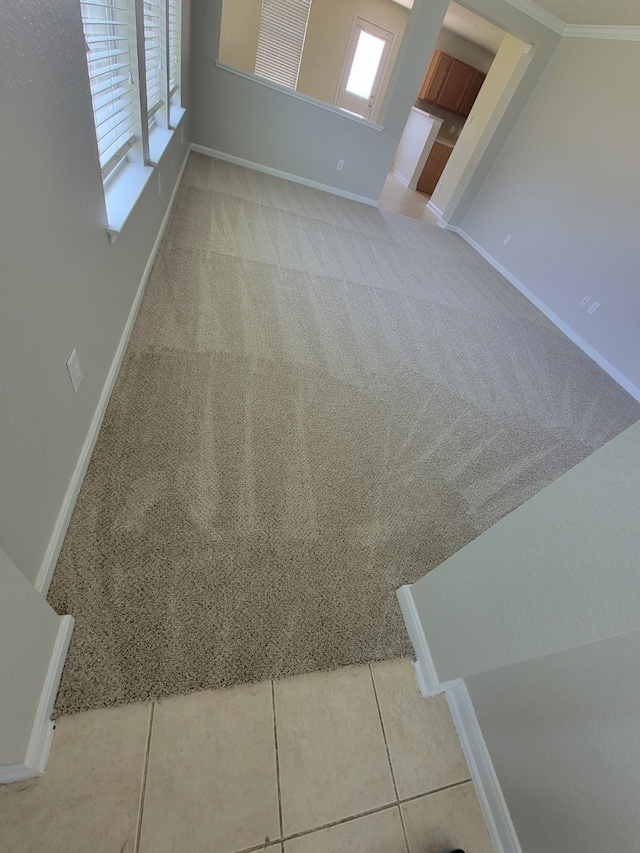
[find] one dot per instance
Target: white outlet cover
(75, 372)
(593, 308)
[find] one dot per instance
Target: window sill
(159, 138)
(122, 193)
(292, 93)
(176, 113)
(125, 188)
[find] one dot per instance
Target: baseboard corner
(426, 675)
(43, 727)
(483, 774)
(400, 177)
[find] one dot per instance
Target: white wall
(63, 284)
(558, 572)
(464, 50)
(564, 738)
(504, 77)
(28, 632)
(566, 188)
(248, 120)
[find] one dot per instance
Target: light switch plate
(75, 372)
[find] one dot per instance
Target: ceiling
(621, 13)
(472, 27)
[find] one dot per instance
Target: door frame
(362, 23)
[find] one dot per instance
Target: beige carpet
(320, 402)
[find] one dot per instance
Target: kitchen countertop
(442, 139)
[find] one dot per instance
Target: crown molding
(540, 15)
(588, 31)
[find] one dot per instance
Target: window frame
(126, 172)
(134, 17)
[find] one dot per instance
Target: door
(364, 67)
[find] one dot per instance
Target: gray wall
(558, 572)
(28, 631)
(249, 120)
(541, 617)
(63, 284)
(566, 188)
(564, 735)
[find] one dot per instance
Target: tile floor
(399, 199)
(351, 761)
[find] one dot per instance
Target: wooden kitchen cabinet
(452, 84)
(434, 167)
(437, 73)
(471, 93)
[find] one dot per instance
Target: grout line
(404, 829)
(340, 821)
(435, 791)
(384, 734)
(385, 807)
(386, 744)
(144, 779)
(275, 738)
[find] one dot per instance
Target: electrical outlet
(593, 308)
(73, 366)
(159, 183)
(506, 239)
(584, 301)
(340, 165)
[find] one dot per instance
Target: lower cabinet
(434, 167)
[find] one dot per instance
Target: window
(127, 79)
(283, 27)
(109, 58)
(175, 35)
(154, 56)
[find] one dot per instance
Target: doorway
(469, 82)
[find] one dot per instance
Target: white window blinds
(155, 72)
(174, 37)
(283, 27)
(106, 29)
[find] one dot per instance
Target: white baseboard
(484, 777)
(593, 354)
(494, 807)
(425, 669)
(431, 206)
(64, 517)
(42, 731)
(287, 176)
(404, 181)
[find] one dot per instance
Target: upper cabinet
(452, 84)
